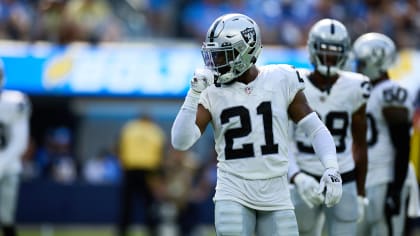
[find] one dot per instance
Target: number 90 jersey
(250, 122)
(14, 129)
(335, 108)
(381, 151)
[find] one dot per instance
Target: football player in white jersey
(339, 98)
(14, 137)
(249, 108)
(389, 112)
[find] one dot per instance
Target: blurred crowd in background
(283, 22)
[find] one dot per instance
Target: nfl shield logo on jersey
(248, 90)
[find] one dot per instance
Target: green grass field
(50, 230)
(53, 230)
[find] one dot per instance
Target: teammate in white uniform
(14, 137)
(249, 108)
(339, 98)
(389, 112)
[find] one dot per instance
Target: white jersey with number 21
(250, 122)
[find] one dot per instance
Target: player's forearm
(321, 139)
(293, 169)
(184, 132)
(359, 148)
(324, 147)
(360, 159)
(400, 136)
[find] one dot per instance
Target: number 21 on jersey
(247, 149)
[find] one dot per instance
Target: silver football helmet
(374, 54)
(232, 46)
(328, 45)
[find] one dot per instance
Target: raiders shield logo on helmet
(249, 35)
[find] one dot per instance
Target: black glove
(392, 201)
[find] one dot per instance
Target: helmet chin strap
(232, 74)
(228, 76)
(225, 78)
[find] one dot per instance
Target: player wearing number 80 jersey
(389, 112)
(387, 94)
(249, 108)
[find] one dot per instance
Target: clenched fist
(201, 79)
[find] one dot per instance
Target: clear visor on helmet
(218, 59)
(329, 54)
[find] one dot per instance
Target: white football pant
(234, 219)
(8, 198)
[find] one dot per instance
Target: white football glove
(307, 187)
(331, 180)
(362, 204)
(201, 79)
